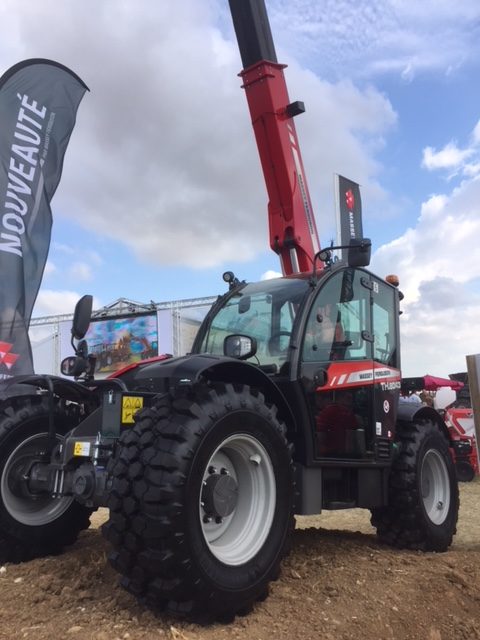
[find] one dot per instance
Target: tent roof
(430, 383)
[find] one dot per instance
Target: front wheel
(423, 495)
(32, 524)
(201, 505)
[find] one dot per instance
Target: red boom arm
(293, 233)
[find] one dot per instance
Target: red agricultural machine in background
(287, 404)
(458, 416)
(460, 423)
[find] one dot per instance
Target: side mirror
(81, 317)
(240, 347)
(359, 252)
(73, 366)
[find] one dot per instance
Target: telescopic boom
(293, 233)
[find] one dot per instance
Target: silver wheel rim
(238, 537)
(37, 511)
(435, 486)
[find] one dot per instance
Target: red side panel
(349, 374)
(135, 365)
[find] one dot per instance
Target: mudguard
(164, 375)
(28, 385)
(413, 412)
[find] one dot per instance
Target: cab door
(337, 366)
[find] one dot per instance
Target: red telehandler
(288, 404)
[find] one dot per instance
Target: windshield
(264, 311)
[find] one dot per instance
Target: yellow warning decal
(130, 406)
(81, 449)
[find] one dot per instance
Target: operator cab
(330, 343)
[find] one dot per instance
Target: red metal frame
(453, 418)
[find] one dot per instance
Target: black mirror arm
(363, 245)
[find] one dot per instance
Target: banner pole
(473, 371)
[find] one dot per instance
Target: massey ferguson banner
(38, 105)
(349, 210)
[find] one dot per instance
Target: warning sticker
(130, 406)
(81, 449)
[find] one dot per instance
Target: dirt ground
(337, 583)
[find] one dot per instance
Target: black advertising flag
(38, 105)
(349, 210)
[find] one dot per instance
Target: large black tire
(423, 495)
(32, 525)
(201, 504)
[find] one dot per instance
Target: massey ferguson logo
(350, 202)
(350, 199)
(6, 357)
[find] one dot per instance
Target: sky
(162, 189)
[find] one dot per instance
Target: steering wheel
(274, 343)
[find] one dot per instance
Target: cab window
(264, 311)
(384, 327)
(338, 319)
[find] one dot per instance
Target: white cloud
(450, 157)
(471, 169)
(438, 263)
(270, 274)
(408, 72)
(379, 36)
(455, 159)
(52, 303)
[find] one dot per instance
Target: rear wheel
(32, 524)
(423, 493)
(201, 505)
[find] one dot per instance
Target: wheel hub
(25, 482)
(237, 499)
(219, 495)
(435, 487)
(21, 474)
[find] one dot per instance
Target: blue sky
(162, 189)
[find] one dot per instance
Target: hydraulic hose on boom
(293, 232)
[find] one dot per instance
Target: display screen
(117, 342)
